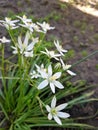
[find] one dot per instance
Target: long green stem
(85, 58)
(3, 80)
(12, 37)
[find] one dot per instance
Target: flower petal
(57, 75)
(53, 102)
(52, 87)
(43, 84)
(43, 74)
(71, 73)
(57, 120)
(50, 70)
(30, 47)
(49, 116)
(63, 115)
(58, 85)
(28, 54)
(61, 107)
(26, 38)
(48, 108)
(19, 42)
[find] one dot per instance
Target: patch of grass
(70, 54)
(77, 23)
(84, 44)
(19, 3)
(84, 53)
(28, 1)
(63, 5)
(91, 28)
(96, 36)
(82, 25)
(96, 66)
(91, 40)
(75, 38)
(53, 15)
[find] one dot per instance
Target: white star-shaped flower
(34, 74)
(50, 80)
(4, 40)
(28, 25)
(51, 54)
(55, 111)
(45, 26)
(40, 69)
(59, 48)
(25, 47)
(9, 24)
(66, 68)
(24, 19)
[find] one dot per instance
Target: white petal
(19, 42)
(26, 38)
(71, 73)
(56, 58)
(50, 70)
(49, 116)
(52, 87)
(61, 107)
(57, 75)
(53, 102)
(60, 51)
(28, 54)
(43, 74)
(63, 115)
(57, 120)
(64, 50)
(30, 47)
(48, 108)
(43, 84)
(58, 85)
(14, 21)
(43, 52)
(62, 62)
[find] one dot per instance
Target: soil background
(78, 31)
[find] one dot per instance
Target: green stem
(3, 80)
(12, 37)
(85, 58)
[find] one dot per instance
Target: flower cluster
(44, 73)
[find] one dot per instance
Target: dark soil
(78, 31)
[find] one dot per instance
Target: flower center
(52, 78)
(53, 111)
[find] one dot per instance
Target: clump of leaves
(37, 79)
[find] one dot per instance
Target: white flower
(28, 25)
(55, 111)
(4, 40)
(51, 54)
(40, 69)
(36, 27)
(9, 24)
(50, 79)
(35, 40)
(45, 26)
(25, 47)
(59, 48)
(34, 74)
(24, 19)
(28, 53)
(66, 67)
(31, 26)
